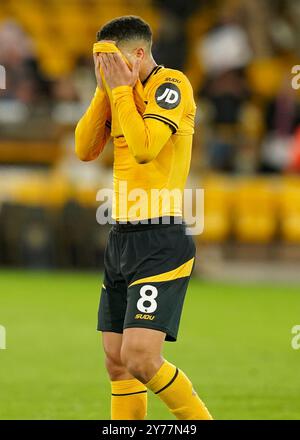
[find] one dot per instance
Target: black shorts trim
(169, 335)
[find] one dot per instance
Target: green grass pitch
(234, 343)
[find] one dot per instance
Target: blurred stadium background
(239, 56)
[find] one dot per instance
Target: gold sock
(128, 400)
(176, 391)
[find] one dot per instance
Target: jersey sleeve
(145, 138)
(168, 99)
(93, 129)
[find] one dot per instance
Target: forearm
(145, 138)
(91, 133)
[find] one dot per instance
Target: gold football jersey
(155, 188)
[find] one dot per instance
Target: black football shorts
(147, 268)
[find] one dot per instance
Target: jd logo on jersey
(167, 96)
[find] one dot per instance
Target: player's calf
(141, 354)
(128, 395)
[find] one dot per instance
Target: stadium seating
(254, 211)
(289, 209)
(217, 207)
(241, 210)
(63, 31)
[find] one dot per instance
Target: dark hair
(127, 27)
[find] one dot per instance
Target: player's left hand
(116, 71)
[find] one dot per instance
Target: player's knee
(114, 365)
(139, 363)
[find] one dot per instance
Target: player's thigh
(142, 341)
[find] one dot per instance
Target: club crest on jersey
(167, 96)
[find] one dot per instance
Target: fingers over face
(111, 59)
(96, 58)
(120, 62)
(117, 58)
(103, 60)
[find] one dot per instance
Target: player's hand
(97, 70)
(97, 64)
(116, 71)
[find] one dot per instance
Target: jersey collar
(153, 72)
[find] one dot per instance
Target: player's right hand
(97, 65)
(97, 70)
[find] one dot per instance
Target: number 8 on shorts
(146, 298)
